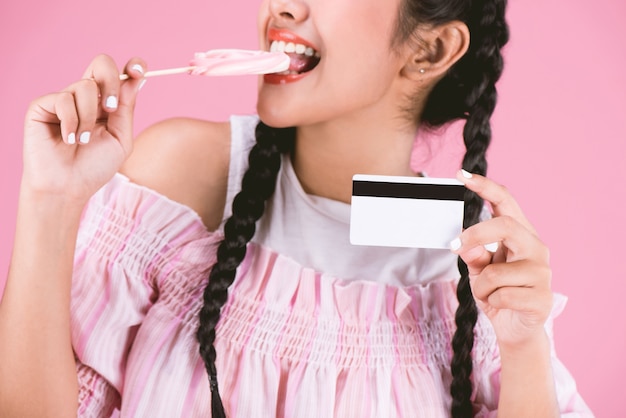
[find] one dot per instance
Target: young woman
(210, 272)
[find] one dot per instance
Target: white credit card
(392, 211)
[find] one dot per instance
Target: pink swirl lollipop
(220, 62)
(238, 62)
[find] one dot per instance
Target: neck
(327, 155)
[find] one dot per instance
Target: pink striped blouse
(292, 342)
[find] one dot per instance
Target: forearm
(37, 369)
(527, 382)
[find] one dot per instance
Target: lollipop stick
(168, 71)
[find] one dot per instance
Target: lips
(304, 57)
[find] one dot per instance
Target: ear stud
(422, 71)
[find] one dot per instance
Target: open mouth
(303, 58)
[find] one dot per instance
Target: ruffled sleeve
(130, 238)
(487, 376)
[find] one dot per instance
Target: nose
(292, 11)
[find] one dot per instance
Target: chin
(273, 114)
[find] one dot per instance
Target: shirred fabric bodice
(294, 340)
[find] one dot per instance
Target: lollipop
(229, 62)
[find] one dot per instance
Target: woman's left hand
(512, 284)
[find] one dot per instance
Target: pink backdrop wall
(560, 131)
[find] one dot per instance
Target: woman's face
(342, 62)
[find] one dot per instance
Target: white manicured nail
(84, 137)
(466, 174)
(137, 68)
(492, 247)
(455, 244)
(111, 102)
(71, 138)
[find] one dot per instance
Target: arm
(37, 372)
(37, 360)
(527, 384)
(512, 287)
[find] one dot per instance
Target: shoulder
(186, 160)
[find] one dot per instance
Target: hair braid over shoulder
(467, 92)
(257, 186)
(490, 33)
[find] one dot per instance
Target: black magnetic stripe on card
(408, 190)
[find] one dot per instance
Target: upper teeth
(291, 47)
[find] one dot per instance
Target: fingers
(135, 68)
(99, 98)
(520, 286)
(475, 257)
(497, 195)
(535, 305)
(63, 107)
(508, 237)
(525, 274)
(518, 241)
(74, 109)
(100, 104)
(85, 103)
(104, 72)
(120, 122)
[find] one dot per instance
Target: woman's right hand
(77, 139)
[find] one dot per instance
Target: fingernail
(492, 248)
(138, 68)
(466, 174)
(71, 138)
(111, 102)
(84, 137)
(455, 244)
(141, 84)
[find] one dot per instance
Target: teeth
(290, 47)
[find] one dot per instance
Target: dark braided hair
(257, 186)
(468, 92)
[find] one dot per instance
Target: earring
(422, 71)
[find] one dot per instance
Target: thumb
(476, 256)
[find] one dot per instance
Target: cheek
(363, 57)
(366, 73)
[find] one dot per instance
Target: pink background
(559, 131)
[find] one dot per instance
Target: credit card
(393, 211)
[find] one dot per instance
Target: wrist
(59, 205)
(527, 387)
(537, 345)
(48, 216)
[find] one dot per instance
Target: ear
(438, 49)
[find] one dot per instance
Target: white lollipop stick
(167, 71)
(228, 62)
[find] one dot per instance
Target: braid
(489, 34)
(257, 186)
(466, 92)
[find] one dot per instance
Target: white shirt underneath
(315, 232)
